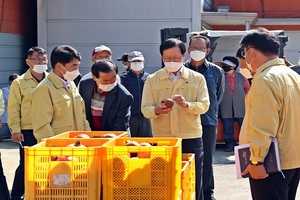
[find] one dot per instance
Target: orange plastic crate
(156, 176)
(78, 179)
(92, 134)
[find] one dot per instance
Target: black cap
(123, 58)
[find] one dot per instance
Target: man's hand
(179, 99)
(17, 137)
(256, 171)
(162, 109)
(0, 125)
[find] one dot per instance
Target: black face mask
(226, 68)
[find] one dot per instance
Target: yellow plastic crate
(155, 175)
(79, 178)
(189, 183)
(185, 180)
(92, 134)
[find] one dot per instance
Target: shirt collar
(64, 82)
(177, 76)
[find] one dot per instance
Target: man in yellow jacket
(188, 91)
(58, 106)
(272, 111)
(19, 109)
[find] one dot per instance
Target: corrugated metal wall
(124, 26)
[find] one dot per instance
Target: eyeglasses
(243, 51)
(192, 48)
(175, 59)
(39, 60)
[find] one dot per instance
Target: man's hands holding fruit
(166, 105)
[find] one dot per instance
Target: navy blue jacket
(116, 111)
(215, 81)
(135, 85)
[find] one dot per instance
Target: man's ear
(28, 62)
(207, 51)
(94, 77)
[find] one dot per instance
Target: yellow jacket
(180, 122)
(1, 103)
(56, 109)
(19, 102)
(272, 110)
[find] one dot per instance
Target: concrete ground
(227, 187)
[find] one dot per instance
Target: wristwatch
(256, 163)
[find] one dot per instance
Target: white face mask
(70, 76)
(197, 55)
(39, 68)
(173, 66)
(107, 88)
(137, 66)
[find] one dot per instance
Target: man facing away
(199, 47)
(4, 131)
(188, 91)
(272, 111)
(4, 193)
(19, 110)
(134, 80)
(58, 106)
(107, 102)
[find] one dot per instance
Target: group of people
(43, 104)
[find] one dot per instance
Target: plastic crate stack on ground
(150, 172)
(188, 177)
(57, 172)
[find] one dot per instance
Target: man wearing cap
(232, 107)
(125, 62)
(134, 81)
(99, 53)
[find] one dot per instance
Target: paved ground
(227, 187)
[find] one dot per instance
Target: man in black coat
(107, 102)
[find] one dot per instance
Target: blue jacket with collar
(135, 85)
(215, 80)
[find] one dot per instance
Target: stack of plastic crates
(142, 172)
(91, 134)
(188, 177)
(56, 172)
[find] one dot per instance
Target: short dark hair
(262, 40)
(12, 77)
(207, 41)
(104, 66)
(239, 53)
(63, 54)
(170, 43)
(232, 59)
(39, 50)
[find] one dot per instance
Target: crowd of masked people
(41, 103)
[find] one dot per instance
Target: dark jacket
(233, 105)
(135, 85)
(116, 111)
(215, 82)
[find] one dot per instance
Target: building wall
(16, 35)
(124, 26)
